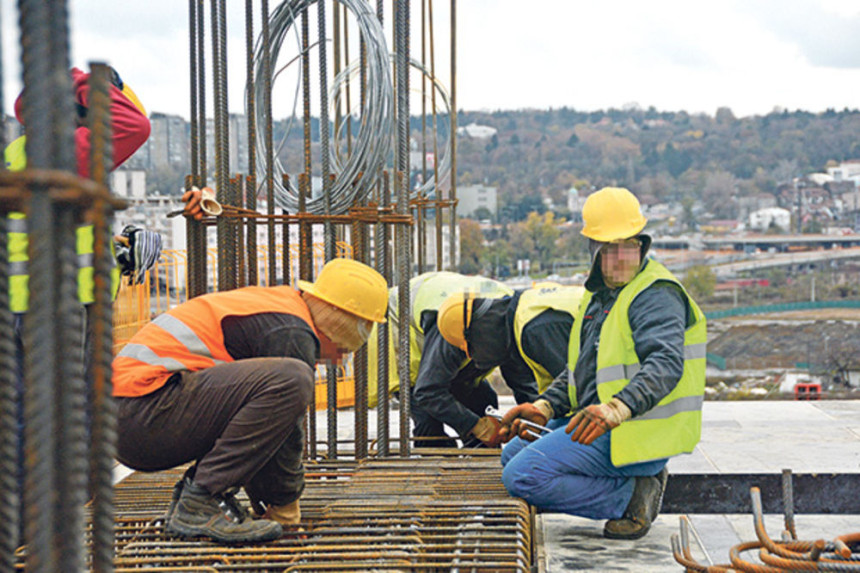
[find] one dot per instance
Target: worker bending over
(635, 385)
(224, 380)
(532, 326)
(447, 387)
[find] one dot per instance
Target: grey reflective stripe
(16, 225)
(617, 372)
(695, 351)
(180, 331)
(85, 260)
(683, 404)
(17, 268)
(145, 354)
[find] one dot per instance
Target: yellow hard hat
(351, 286)
(611, 214)
(132, 97)
(454, 318)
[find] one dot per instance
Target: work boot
(288, 515)
(642, 510)
(221, 517)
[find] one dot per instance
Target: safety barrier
(166, 286)
(783, 307)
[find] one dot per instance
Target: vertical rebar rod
(383, 266)
(452, 236)
(420, 209)
(404, 233)
(197, 255)
(71, 390)
(285, 241)
(359, 358)
(40, 335)
(226, 247)
(305, 262)
(103, 440)
(270, 145)
(435, 131)
(9, 432)
(328, 228)
(250, 195)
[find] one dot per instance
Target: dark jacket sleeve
(440, 363)
(556, 394)
(546, 339)
(658, 318)
(520, 379)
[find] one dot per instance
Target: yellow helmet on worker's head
(611, 214)
(351, 286)
(132, 97)
(454, 318)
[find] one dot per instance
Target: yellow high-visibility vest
(674, 425)
(533, 302)
(18, 242)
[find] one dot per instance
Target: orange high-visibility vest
(189, 336)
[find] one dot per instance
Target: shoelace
(232, 507)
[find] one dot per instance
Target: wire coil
(355, 177)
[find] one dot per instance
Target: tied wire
(356, 177)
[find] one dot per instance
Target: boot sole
(627, 537)
(196, 531)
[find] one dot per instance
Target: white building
(470, 198)
(574, 204)
(477, 131)
(762, 219)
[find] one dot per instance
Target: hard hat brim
(310, 288)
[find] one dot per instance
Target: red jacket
(130, 126)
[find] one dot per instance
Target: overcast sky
(748, 55)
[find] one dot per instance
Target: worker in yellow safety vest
(632, 394)
(448, 387)
(533, 324)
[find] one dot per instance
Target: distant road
(771, 260)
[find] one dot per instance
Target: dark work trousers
(476, 398)
(241, 421)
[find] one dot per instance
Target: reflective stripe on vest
(16, 227)
(674, 425)
(189, 337)
(532, 303)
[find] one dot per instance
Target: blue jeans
(559, 476)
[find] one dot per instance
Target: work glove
(539, 412)
(137, 250)
(487, 430)
(593, 421)
(192, 199)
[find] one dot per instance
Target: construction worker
(130, 130)
(632, 396)
(224, 380)
(448, 387)
(533, 325)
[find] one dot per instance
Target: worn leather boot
(289, 515)
(220, 517)
(642, 510)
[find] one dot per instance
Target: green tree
(536, 237)
(700, 281)
(471, 247)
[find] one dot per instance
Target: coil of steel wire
(356, 176)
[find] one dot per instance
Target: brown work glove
(192, 201)
(487, 430)
(593, 421)
(539, 412)
(289, 515)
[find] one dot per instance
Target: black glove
(143, 250)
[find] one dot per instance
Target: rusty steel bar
(383, 266)
(196, 233)
(9, 431)
(219, 83)
(250, 195)
(452, 195)
(103, 437)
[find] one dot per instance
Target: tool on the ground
(493, 413)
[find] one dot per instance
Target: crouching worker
(635, 380)
(224, 380)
